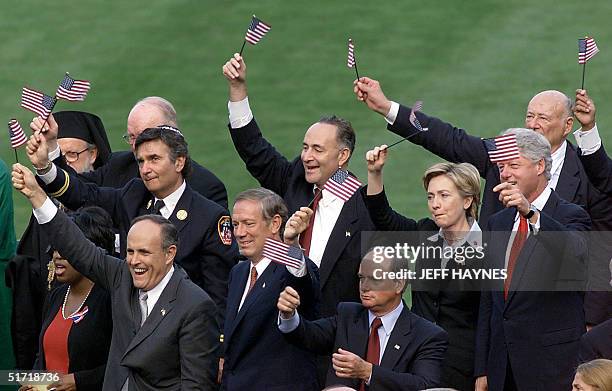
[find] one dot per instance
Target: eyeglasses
(129, 138)
(72, 157)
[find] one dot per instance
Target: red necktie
(517, 245)
(373, 352)
(306, 236)
(253, 279)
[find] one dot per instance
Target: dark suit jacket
(343, 253)
(122, 168)
(598, 167)
(201, 252)
(597, 343)
(455, 145)
(537, 330)
(412, 357)
(176, 347)
(88, 341)
(257, 356)
(451, 304)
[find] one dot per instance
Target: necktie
(157, 206)
(253, 278)
(373, 352)
(517, 245)
(144, 309)
(306, 236)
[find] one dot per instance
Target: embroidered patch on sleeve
(224, 227)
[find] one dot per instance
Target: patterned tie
(517, 245)
(144, 309)
(253, 279)
(306, 236)
(157, 207)
(373, 352)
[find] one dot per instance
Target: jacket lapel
(398, 340)
(235, 292)
(358, 335)
(569, 177)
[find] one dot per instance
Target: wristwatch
(532, 211)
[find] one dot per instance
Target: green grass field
(474, 63)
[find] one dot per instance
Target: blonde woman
(594, 375)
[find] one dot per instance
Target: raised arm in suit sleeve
(424, 372)
(199, 347)
(264, 162)
(598, 167)
(309, 289)
(443, 139)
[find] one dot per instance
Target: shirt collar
(388, 320)
(171, 200)
(327, 196)
(473, 237)
(559, 154)
(540, 201)
(261, 266)
(157, 290)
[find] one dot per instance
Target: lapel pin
(396, 347)
(163, 312)
(348, 233)
(149, 204)
(181, 214)
(264, 285)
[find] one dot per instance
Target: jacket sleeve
(598, 167)
(316, 336)
(308, 287)
(264, 162)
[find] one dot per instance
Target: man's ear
(179, 164)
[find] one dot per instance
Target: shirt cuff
(288, 325)
(54, 154)
(46, 212)
(50, 176)
(392, 114)
(239, 113)
(588, 142)
(298, 272)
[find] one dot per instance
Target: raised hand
(288, 302)
(376, 158)
(24, 182)
(369, 91)
(37, 151)
(297, 224)
(584, 110)
(234, 71)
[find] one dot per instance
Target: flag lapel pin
(347, 234)
(163, 312)
(397, 347)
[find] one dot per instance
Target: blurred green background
(473, 63)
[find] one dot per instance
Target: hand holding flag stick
(587, 49)
(256, 31)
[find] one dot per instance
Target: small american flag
(351, 54)
(342, 184)
(587, 49)
(73, 90)
(503, 148)
(16, 133)
(417, 106)
(256, 30)
(282, 253)
(37, 102)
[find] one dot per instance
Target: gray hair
(533, 146)
(394, 264)
(165, 107)
(271, 204)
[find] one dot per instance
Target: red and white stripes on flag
(37, 102)
(504, 148)
(587, 49)
(72, 89)
(16, 134)
(342, 184)
(417, 106)
(282, 253)
(256, 30)
(351, 54)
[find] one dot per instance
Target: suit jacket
(451, 304)
(597, 342)
(412, 357)
(88, 341)
(456, 145)
(122, 168)
(202, 229)
(537, 331)
(598, 167)
(176, 347)
(256, 354)
(342, 255)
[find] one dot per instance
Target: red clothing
(55, 344)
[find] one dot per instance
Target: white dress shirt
(171, 200)
(589, 142)
(326, 215)
(261, 267)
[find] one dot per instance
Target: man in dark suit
(378, 344)
(335, 239)
(549, 113)
(122, 166)
(207, 251)
(164, 330)
(256, 356)
(529, 330)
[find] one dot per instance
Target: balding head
(150, 112)
(550, 113)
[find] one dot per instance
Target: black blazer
(412, 357)
(122, 167)
(176, 347)
(340, 261)
(257, 356)
(456, 145)
(88, 341)
(537, 330)
(598, 167)
(202, 253)
(451, 304)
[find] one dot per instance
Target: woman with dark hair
(77, 324)
(453, 195)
